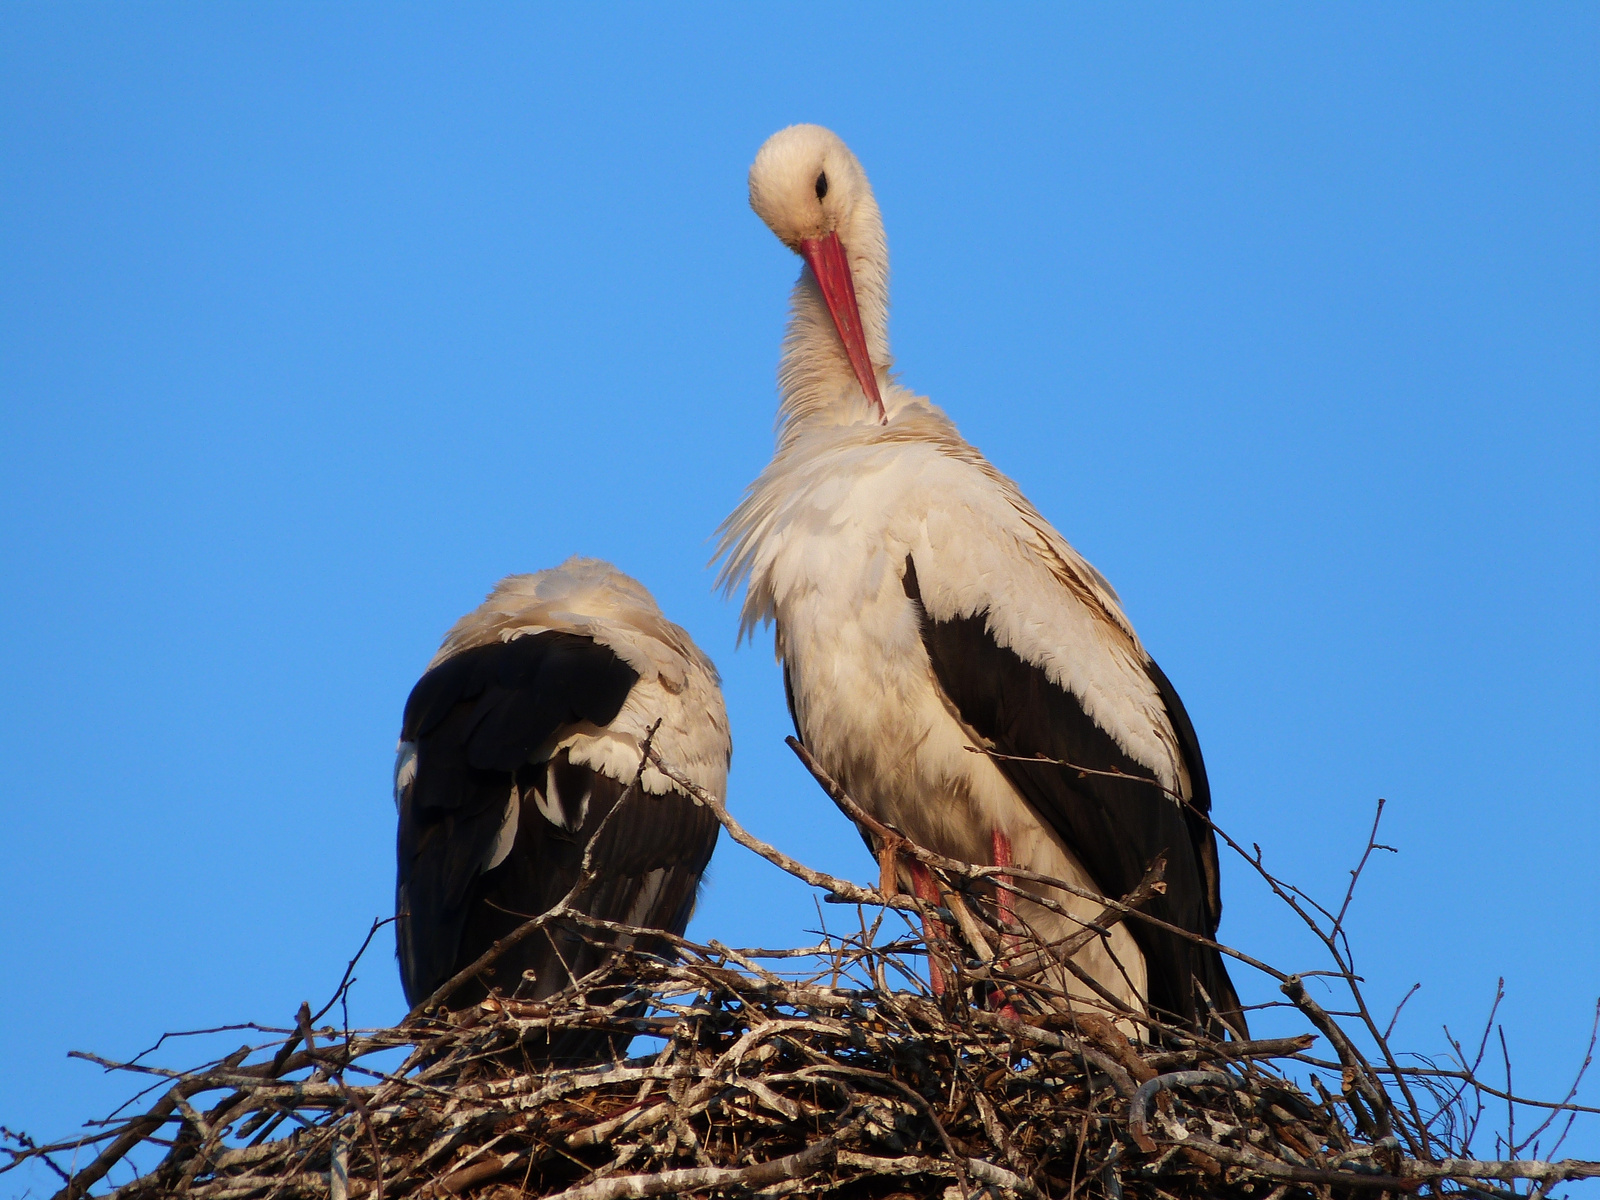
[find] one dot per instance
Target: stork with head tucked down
(525, 732)
(925, 610)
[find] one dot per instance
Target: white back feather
(677, 682)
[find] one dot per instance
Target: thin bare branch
(792, 1071)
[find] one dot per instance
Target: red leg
(932, 928)
(1007, 903)
(888, 871)
(1003, 895)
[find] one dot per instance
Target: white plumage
(677, 682)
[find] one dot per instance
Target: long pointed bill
(828, 263)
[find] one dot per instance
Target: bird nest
(827, 1070)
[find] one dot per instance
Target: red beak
(828, 263)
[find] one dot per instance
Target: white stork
(925, 609)
(525, 731)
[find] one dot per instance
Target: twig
(801, 1071)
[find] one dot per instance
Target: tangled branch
(829, 1070)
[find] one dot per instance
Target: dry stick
(1139, 1107)
(1098, 927)
(1277, 886)
(695, 1179)
(1360, 1072)
(292, 1042)
(1288, 1172)
(1467, 1079)
(1467, 1169)
(1583, 1069)
(1511, 1109)
(1371, 1089)
(1539, 1171)
(1398, 1008)
(910, 1164)
(1112, 773)
(1422, 1149)
(892, 838)
(852, 892)
(992, 874)
(1483, 1045)
(349, 970)
(356, 1103)
(477, 1105)
(1289, 1047)
(997, 1132)
(30, 1149)
(137, 1129)
(460, 1180)
(1356, 1061)
(1355, 875)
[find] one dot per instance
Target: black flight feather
(478, 720)
(1115, 826)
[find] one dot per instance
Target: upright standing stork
(524, 734)
(936, 632)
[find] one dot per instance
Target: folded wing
(495, 816)
(1107, 806)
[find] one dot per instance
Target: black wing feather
(1115, 825)
(1196, 815)
(476, 720)
(524, 689)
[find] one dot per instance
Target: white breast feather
(821, 540)
(838, 511)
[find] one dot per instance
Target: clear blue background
(317, 322)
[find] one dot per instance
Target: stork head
(811, 191)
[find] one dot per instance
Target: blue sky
(313, 323)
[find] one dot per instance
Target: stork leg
(1006, 901)
(932, 928)
(888, 869)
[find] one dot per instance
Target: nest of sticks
(826, 1070)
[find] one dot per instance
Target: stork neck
(815, 380)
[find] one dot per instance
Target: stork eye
(822, 185)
